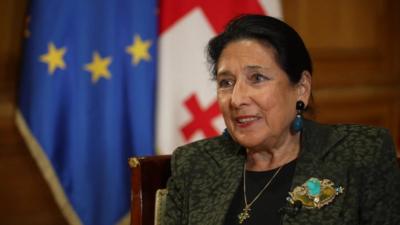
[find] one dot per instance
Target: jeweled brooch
(315, 193)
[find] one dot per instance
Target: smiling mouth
(245, 121)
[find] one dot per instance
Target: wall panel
(356, 58)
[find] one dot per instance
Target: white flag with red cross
(187, 109)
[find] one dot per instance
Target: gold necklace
(245, 214)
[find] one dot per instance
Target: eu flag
(87, 100)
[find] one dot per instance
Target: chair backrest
(148, 174)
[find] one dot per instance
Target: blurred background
(356, 53)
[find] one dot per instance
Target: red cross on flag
(187, 109)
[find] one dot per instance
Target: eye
(257, 78)
(225, 83)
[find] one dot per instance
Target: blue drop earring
(226, 134)
(297, 124)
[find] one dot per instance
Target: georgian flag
(187, 109)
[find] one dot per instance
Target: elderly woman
(271, 166)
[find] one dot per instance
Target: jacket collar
(316, 141)
(226, 150)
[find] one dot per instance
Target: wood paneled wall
(356, 54)
(356, 79)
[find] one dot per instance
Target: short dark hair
(291, 53)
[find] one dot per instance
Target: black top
(265, 210)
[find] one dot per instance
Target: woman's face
(256, 98)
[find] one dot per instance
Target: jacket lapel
(230, 158)
(317, 142)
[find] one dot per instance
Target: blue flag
(87, 100)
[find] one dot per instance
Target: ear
(304, 87)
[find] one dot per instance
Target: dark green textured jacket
(206, 174)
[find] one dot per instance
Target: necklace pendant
(244, 215)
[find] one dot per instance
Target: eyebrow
(223, 73)
(254, 67)
(247, 68)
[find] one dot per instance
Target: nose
(240, 95)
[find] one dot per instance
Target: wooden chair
(148, 174)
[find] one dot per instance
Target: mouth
(246, 121)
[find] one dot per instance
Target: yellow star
(139, 50)
(99, 67)
(54, 58)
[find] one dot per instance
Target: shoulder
(360, 131)
(200, 147)
(206, 150)
(210, 154)
(365, 145)
(344, 134)
(362, 137)
(358, 143)
(354, 134)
